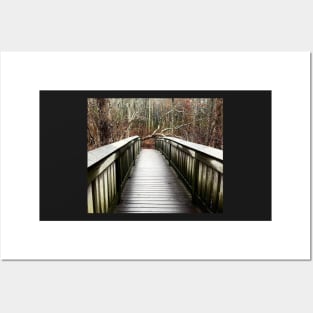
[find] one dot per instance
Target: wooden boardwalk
(154, 188)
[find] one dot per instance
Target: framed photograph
(155, 156)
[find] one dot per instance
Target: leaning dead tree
(163, 133)
(169, 131)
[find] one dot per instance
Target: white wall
(156, 286)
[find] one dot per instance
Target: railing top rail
(213, 152)
(100, 153)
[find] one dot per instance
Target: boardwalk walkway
(154, 188)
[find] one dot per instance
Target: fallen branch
(154, 134)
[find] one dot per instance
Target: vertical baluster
(127, 163)
(109, 186)
(220, 195)
(210, 184)
(184, 163)
(124, 164)
(199, 180)
(190, 170)
(170, 153)
(89, 199)
(207, 184)
(215, 190)
(101, 194)
(112, 182)
(106, 191)
(114, 179)
(130, 158)
(95, 195)
(187, 168)
(122, 167)
(204, 181)
(118, 178)
(195, 173)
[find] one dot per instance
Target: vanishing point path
(154, 187)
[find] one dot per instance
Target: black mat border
(63, 156)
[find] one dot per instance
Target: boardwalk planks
(154, 188)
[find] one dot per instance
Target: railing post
(170, 154)
(194, 185)
(134, 152)
(118, 178)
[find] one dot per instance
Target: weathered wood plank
(156, 211)
(154, 188)
(98, 154)
(216, 153)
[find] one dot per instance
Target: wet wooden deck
(154, 188)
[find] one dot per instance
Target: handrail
(108, 169)
(200, 167)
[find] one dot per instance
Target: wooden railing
(108, 169)
(200, 167)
